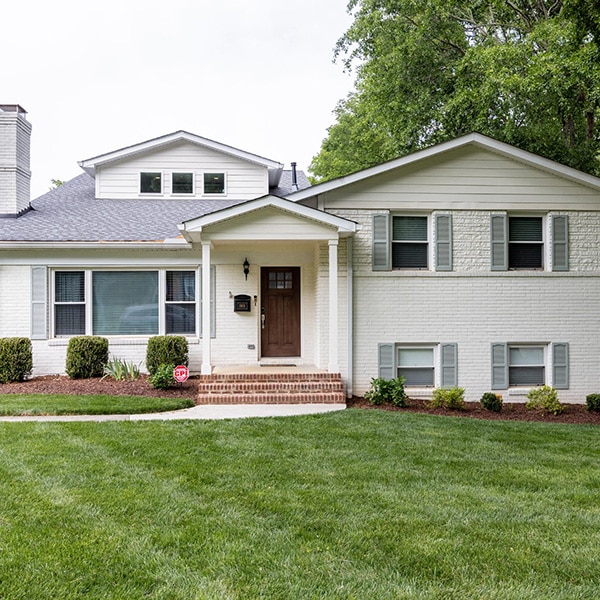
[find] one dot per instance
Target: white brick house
(471, 263)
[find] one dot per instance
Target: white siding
(467, 178)
(244, 180)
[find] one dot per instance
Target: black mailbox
(241, 303)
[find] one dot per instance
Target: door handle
(262, 321)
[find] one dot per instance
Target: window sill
(122, 340)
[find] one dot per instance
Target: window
(214, 183)
(526, 365)
(420, 365)
(183, 183)
(518, 243)
(124, 302)
(525, 243)
(180, 306)
(416, 366)
(410, 248)
(407, 245)
(151, 183)
(69, 303)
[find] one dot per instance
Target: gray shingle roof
(72, 213)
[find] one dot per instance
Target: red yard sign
(181, 373)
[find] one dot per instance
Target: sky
(95, 77)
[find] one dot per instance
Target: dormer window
(214, 183)
(151, 183)
(183, 183)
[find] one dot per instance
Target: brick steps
(271, 388)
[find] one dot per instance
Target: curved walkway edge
(203, 411)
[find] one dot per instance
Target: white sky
(97, 76)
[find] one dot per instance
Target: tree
(56, 183)
(526, 72)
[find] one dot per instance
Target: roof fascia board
(476, 139)
(178, 244)
(89, 165)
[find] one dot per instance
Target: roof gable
(91, 164)
(441, 152)
(270, 218)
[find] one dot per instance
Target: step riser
(300, 398)
(269, 388)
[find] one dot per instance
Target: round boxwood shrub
(87, 355)
(491, 401)
(16, 359)
(592, 402)
(166, 350)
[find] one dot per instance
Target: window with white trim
(410, 242)
(530, 365)
(525, 243)
(182, 183)
(404, 242)
(125, 302)
(529, 242)
(151, 182)
(421, 365)
(213, 183)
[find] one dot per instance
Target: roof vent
(294, 177)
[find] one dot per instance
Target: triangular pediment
(267, 218)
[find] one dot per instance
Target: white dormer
(182, 165)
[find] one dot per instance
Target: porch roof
(267, 218)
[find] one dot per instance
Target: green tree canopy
(526, 72)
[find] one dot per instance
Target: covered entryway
(280, 311)
(270, 232)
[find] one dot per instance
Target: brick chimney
(15, 175)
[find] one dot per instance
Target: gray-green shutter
(213, 303)
(385, 361)
(443, 242)
(39, 303)
(499, 242)
(560, 243)
(449, 365)
(499, 366)
(560, 366)
(381, 243)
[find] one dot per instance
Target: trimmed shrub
(451, 398)
(491, 401)
(544, 398)
(16, 359)
(592, 402)
(87, 355)
(162, 378)
(387, 391)
(166, 350)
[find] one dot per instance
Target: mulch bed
(53, 384)
(511, 411)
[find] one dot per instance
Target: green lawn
(356, 504)
(56, 404)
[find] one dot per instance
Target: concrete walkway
(205, 411)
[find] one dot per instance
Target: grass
(350, 505)
(57, 404)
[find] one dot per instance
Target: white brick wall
(473, 306)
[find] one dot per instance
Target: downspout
(350, 315)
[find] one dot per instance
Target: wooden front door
(280, 311)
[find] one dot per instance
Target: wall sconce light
(246, 266)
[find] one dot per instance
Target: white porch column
(206, 294)
(334, 366)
